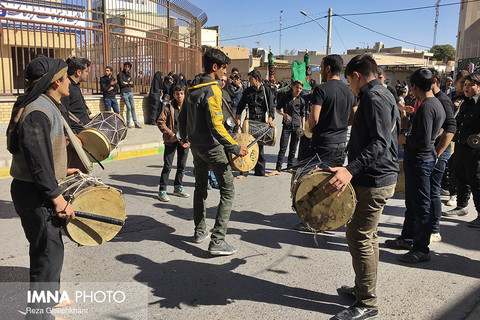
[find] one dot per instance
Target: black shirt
(122, 78)
(425, 128)
(394, 93)
(337, 102)
(257, 101)
(105, 84)
(373, 146)
(75, 104)
(295, 108)
(468, 120)
(450, 124)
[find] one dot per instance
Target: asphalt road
(277, 273)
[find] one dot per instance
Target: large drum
(249, 161)
(317, 209)
(88, 195)
(102, 134)
(256, 129)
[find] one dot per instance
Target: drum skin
(98, 199)
(317, 209)
(249, 161)
(256, 128)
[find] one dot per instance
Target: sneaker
(444, 192)
(221, 249)
(435, 237)
(475, 223)
(180, 192)
(452, 202)
(356, 312)
(455, 212)
(347, 290)
(199, 236)
(137, 126)
(162, 196)
(414, 257)
(398, 243)
(130, 126)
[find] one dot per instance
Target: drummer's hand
(270, 122)
(63, 208)
(186, 145)
(72, 171)
(239, 122)
(286, 117)
(243, 151)
(339, 181)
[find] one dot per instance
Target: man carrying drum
(373, 170)
(260, 101)
(38, 144)
(201, 124)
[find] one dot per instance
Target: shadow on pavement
(7, 210)
(181, 282)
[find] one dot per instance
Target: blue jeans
(128, 98)
(111, 103)
(418, 223)
(435, 185)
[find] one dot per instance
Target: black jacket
(257, 101)
(105, 85)
(122, 78)
(76, 105)
(373, 146)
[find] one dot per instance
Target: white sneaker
(435, 237)
(452, 202)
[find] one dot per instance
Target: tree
(442, 51)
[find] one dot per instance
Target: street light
(306, 15)
(329, 27)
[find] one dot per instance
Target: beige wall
(468, 40)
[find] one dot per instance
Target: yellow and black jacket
(201, 117)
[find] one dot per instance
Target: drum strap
(229, 111)
(78, 148)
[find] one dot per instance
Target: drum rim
(115, 114)
(102, 136)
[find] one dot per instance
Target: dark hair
(474, 77)
(461, 75)
(234, 69)
(363, 64)
(127, 63)
(237, 76)
(255, 74)
(297, 82)
(75, 64)
(171, 73)
(109, 68)
(380, 72)
(179, 87)
(335, 62)
(435, 73)
(401, 91)
(423, 79)
(214, 56)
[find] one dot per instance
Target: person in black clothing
(109, 87)
(125, 82)
(260, 101)
(467, 163)
(332, 105)
(419, 162)
(444, 151)
(155, 97)
(37, 140)
(382, 76)
(79, 112)
(373, 171)
(293, 106)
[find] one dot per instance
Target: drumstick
(97, 217)
(251, 144)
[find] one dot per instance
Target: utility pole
(280, 40)
(436, 22)
(329, 33)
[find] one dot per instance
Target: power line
(380, 33)
(339, 37)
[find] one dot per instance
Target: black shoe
(199, 236)
(356, 312)
(414, 257)
(398, 244)
(137, 126)
(347, 290)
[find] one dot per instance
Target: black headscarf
(157, 83)
(40, 73)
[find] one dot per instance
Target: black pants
(168, 154)
(305, 150)
(288, 132)
(467, 169)
(43, 234)
(332, 154)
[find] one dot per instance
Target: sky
(413, 29)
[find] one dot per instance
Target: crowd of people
(203, 116)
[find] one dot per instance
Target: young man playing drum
(201, 124)
(373, 170)
(38, 144)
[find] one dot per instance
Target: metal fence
(153, 35)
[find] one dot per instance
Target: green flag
(299, 73)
